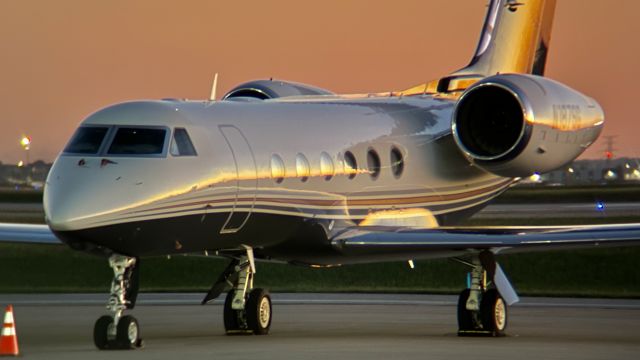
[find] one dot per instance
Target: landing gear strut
(481, 309)
(117, 331)
(246, 310)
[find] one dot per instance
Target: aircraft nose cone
(71, 200)
(61, 206)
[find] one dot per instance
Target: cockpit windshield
(87, 140)
(135, 141)
(138, 141)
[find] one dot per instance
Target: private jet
(283, 171)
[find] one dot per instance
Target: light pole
(26, 145)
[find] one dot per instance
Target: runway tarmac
(563, 210)
(332, 326)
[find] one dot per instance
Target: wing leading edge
(410, 241)
(27, 233)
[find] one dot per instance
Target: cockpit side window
(138, 141)
(87, 140)
(181, 144)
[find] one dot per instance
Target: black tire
(259, 311)
(128, 334)
(101, 332)
(493, 312)
(231, 322)
(465, 318)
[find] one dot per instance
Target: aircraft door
(246, 179)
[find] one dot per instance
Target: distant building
(31, 175)
(594, 172)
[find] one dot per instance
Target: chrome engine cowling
(515, 125)
(272, 89)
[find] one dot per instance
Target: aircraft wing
(27, 233)
(446, 241)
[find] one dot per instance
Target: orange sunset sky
(61, 60)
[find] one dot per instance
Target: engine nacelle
(272, 89)
(515, 125)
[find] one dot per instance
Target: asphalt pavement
(332, 326)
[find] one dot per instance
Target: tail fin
(515, 39)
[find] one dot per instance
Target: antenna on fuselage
(214, 88)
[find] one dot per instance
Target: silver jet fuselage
(234, 192)
(284, 176)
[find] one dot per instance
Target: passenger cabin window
(397, 162)
(87, 140)
(138, 141)
(302, 167)
(181, 144)
(373, 163)
(277, 168)
(350, 165)
(326, 166)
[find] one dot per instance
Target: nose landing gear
(117, 331)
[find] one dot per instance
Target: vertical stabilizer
(515, 38)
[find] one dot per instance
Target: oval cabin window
(373, 163)
(397, 162)
(302, 167)
(326, 166)
(277, 168)
(350, 165)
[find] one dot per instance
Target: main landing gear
(246, 310)
(482, 310)
(117, 331)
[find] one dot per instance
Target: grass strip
(608, 272)
(20, 196)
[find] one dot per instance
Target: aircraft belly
(176, 235)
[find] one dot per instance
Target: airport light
(535, 177)
(26, 145)
(25, 142)
(20, 163)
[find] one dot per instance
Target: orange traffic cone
(8, 338)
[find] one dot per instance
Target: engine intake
(490, 122)
(515, 125)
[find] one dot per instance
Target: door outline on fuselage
(242, 155)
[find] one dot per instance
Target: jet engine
(272, 89)
(515, 125)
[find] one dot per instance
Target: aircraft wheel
(465, 317)
(493, 312)
(231, 322)
(128, 333)
(259, 311)
(101, 332)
